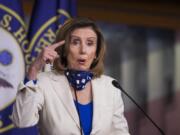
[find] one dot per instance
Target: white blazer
(50, 104)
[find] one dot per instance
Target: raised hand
(47, 55)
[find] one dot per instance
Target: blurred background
(143, 52)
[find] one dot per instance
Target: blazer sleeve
(120, 125)
(29, 101)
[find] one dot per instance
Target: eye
(91, 43)
(75, 42)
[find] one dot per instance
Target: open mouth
(81, 61)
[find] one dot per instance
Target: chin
(83, 68)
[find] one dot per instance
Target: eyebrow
(79, 37)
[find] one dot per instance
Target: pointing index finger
(54, 46)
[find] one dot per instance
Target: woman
(75, 97)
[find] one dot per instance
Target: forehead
(84, 32)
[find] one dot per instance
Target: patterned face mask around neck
(78, 79)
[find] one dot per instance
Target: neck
(84, 96)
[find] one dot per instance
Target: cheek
(72, 55)
(92, 56)
(93, 53)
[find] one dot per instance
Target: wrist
(32, 73)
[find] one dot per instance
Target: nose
(83, 48)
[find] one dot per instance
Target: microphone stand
(117, 85)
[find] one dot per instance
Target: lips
(81, 61)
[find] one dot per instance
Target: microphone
(117, 85)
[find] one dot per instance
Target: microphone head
(116, 84)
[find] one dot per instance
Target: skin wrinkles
(82, 49)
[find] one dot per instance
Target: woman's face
(82, 48)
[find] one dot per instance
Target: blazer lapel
(62, 88)
(96, 88)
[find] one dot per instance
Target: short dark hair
(64, 33)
